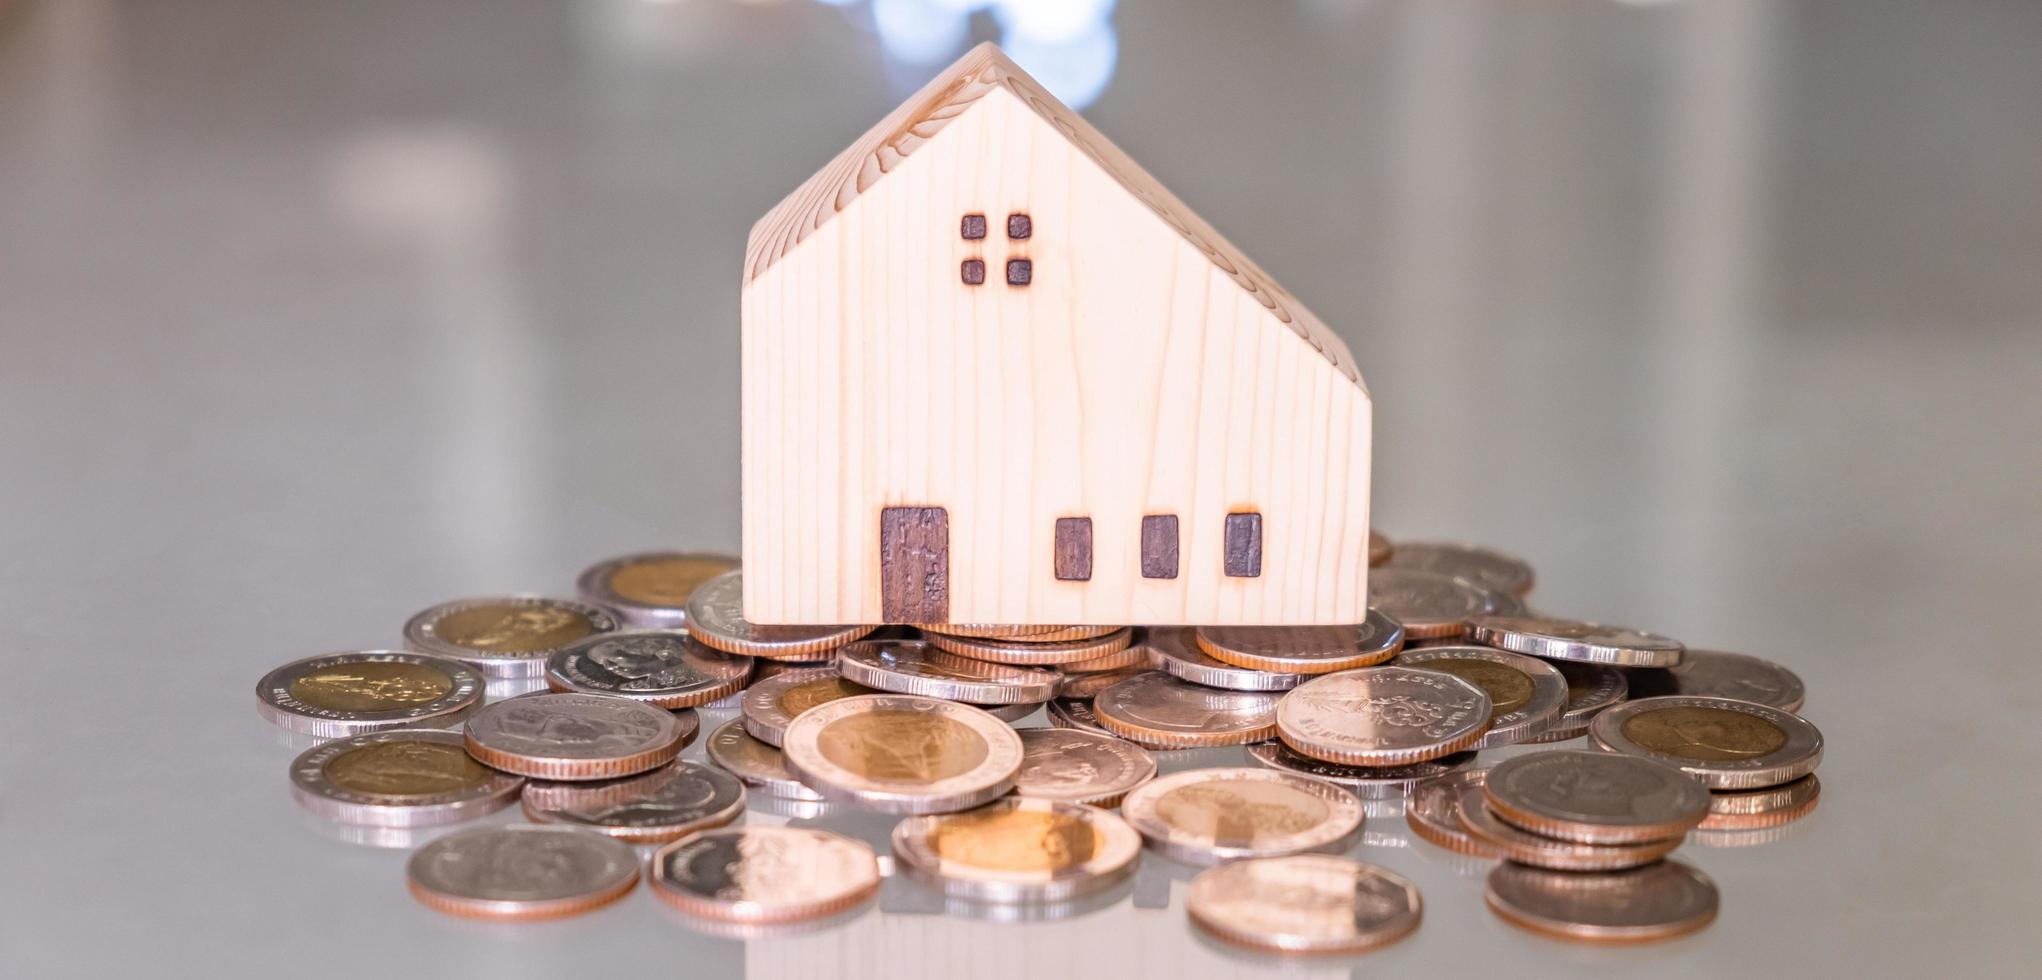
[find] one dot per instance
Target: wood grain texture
(1244, 545)
(1159, 546)
(1073, 549)
(914, 564)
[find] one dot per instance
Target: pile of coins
(1280, 741)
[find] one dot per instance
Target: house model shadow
(994, 373)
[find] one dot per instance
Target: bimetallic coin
(521, 872)
(757, 764)
(1304, 903)
(405, 778)
(1075, 715)
(898, 753)
(651, 590)
(1526, 694)
(577, 736)
(663, 668)
(1206, 816)
(1084, 687)
(1033, 652)
(1590, 688)
(505, 636)
(1572, 639)
(650, 808)
(716, 617)
(1379, 548)
(1595, 797)
(1727, 744)
(1756, 809)
(763, 874)
(1489, 569)
(1538, 850)
(1658, 901)
(770, 705)
(1177, 653)
(1715, 674)
(1433, 811)
(1383, 716)
(1304, 649)
(337, 694)
(1367, 782)
(1018, 850)
(912, 667)
(1078, 767)
(1159, 711)
(1430, 605)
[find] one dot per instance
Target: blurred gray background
(1726, 315)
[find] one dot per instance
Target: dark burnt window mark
(1019, 272)
(974, 271)
(973, 228)
(1018, 226)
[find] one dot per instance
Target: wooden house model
(994, 373)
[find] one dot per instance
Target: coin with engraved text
(521, 872)
(1728, 744)
(899, 753)
(663, 668)
(1526, 694)
(577, 736)
(352, 693)
(763, 874)
(650, 808)
(1383, 716)
(505, 636)
(651, 590)
(402, 778)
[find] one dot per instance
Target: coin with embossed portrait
(650, 590)
(914, 667)
(1430, 605)
(899, 753)
(759, 765)
(1659, 901)
(1383, 716)
(1159, 711)
(1367, 782)
(506, 636)
(1595, 797)
(1433, 811)
(1571, 639)
(521, 872)
(1518, 844)
(1018, 849)
(1728, 744)
(1034, 650)
(1485, 567)
(403, 778)
(1206, 816)
(1526, 694)
(770, 705)
(663, 668)
(351, 693)
(1079, 767)
(1304, 649)
(1076, 715)
(1715, 674)
(763, 874)
(1304, 903)
(577, 736)
(1177, 654)
(650, 808)
(1590, 688)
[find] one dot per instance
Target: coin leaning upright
(577, 736)
(505, 637)
(1304, 903)
(521, 872)
(716, 617)
(1383, 716)
(351, 693)
(899, 753)
(403, 778)
(663, 668)
(1018, 849)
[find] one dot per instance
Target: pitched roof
(952, 94)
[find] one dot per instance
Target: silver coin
(1430, 605)
(1084, 687)
(1485, 567)
(404, 778)
(1304, 649)
(1075, 715)
(1078, 767)
(352, 693)
(1715, 674)
(1383, 716)
(899, 753)
(650, 590)
(1525, 847)
(1595, 797)
(1206, 816)
(756, 763)
(763, 874)
(522, 872)
(1180, 657)
(663, 668)
(1304, 903)
(577, 736)
(1658, 901)
(1728, 744)
(506, 636)
(1157, 710)
(1367, 782)
(716, 617)
(1018, 850)
(1590, 688)
(650, 808)
(1572, 639)
(914, 667)
(1526, 694)
(771, 705)
(1009, 713)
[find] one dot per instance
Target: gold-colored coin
(513, 629)
(1728, 744)
(1705, 734)
(902, 746)
(808, 694)
(1508, 689)
(1018, 849)
(666, 580)
(901, 753)
(371, 686)
(1002, 839)
(406, 768)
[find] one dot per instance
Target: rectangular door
(914, 564)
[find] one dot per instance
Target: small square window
(1159, 546)
(974, 272)
(1244, 545)
(1018, 226)
(973, 228)
(1019, 272)
(1073, 558)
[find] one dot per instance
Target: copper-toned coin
(1715, 674)
(1383, 716)
(1430, 605)
(650, 808)
(1159, 711)
(1304, 903)
(1018, 850)
(1487, 568)
(1084, 687)
(505, 636)
(1030, 651)
(1433, 811)
(1526, 847)
(1595, 797)
(716, 617)
(1526, 694)
(1379, 548)
(898, 753)
(663, 668)
(337, 694)
(914, 667)
(1572, 639)
(1130, 657)
(763, 874)
(1658, 901)
(1206, 816)
(404, 778)
(1367, 782)
(1304, 649)
(997, 631)
(577, 736)
(1727, 744)
(1771, 806)
(1079, 767)
(771, 705)
(651, 590)
(521, 872)
(1590, 688)
(1076, 715)
(1177, 654)
(757, 764)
